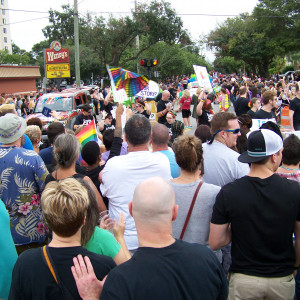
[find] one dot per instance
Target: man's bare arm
(219, 235)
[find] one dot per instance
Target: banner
(202, 76)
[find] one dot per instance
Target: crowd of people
(214, 215)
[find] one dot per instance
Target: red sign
(53, 57)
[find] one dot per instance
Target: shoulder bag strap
(48, 262)
(190, 210)
(48, 259)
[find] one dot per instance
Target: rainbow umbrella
(131, 82)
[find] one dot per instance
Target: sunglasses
(233, 131)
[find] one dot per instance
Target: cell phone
(46, 111)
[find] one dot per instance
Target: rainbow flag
(88, 133)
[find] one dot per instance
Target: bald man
(162, 267)
(164, 105)
(159, 140)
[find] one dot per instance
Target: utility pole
(137, 43)
(76, 39)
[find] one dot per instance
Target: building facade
(5, 40)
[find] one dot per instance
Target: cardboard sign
(150, 91)
(202, 76)
(256, 123)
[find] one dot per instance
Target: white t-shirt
(120, 177)
(221, 164)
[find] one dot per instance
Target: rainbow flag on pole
(88, 133)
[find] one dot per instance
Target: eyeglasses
(137, 105)
(233, 131)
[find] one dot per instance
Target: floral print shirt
(22, 177)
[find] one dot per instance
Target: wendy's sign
(54, 57)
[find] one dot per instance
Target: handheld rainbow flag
(88, 133)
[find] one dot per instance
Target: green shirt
(103, 242)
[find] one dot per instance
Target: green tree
(229, 64)
(244, 40)
(113, 39)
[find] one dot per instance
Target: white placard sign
(150, 91)
(202, 76)
(256, 123)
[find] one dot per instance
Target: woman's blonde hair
(186, 93)
(34, 133)
(65, 204)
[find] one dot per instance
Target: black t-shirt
(108, 108)
(144, 113)
(262, 114)
(262, 223)
(251, 113)
(179, 271)
(83, 120)
(241, 106)
(31, 278)
(205, 118)
(94, 176)
(23, 108)
(295, 106)
(161, 105)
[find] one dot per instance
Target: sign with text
(58, 70)
(202, 76)
(256, 123)
(52, 56)
(150, 91)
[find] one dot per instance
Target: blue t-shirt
(175, 170)
(47, 154)
(8, 253)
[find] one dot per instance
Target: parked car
(67, 104)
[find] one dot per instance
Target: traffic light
(143, 62)
(154, 62)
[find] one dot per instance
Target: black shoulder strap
(49, 262)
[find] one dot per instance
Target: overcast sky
(26, 34)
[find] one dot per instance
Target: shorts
(186, 113)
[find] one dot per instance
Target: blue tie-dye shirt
(22, 177)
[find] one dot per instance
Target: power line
(29, 11)
(1, 25)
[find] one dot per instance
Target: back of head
(34, 133)
(242, 90)
(267, 96)
(86, 107)
(65, 205)
(35, 121)
(188, 152)
(291, 150)
(108, 136)
(7, 109)
(245, 120)
(54, 130)
(138, 130)
(220, 120)
(203, 133)
(160, 135)
(153, 201)
(90, 152)
(186, 93)
(272, 126)
(66, 150)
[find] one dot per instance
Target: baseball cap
(261, 144)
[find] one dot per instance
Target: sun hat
(261, 144)
(12, 128)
